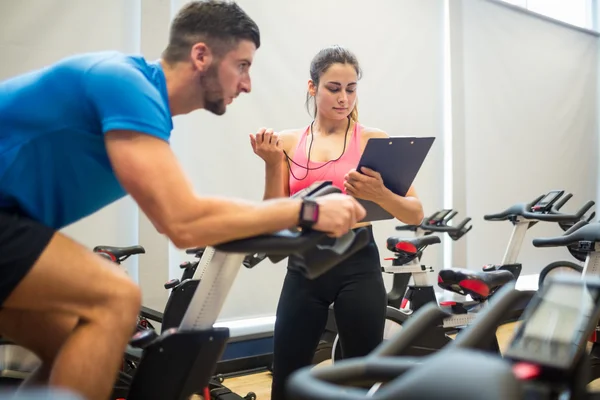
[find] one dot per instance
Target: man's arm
(150, 172)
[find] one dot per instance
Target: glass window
(574, 12)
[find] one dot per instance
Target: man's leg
(41, 333)
(69, 279)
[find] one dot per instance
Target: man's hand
(338, 213)
(268, 146)
(367, 186)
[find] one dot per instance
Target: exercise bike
(181, 293)
(584, 238)
(544, 208)
(545, 359)
(405, 265)
(180, 361)
(479, 285)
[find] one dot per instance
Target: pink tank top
(333, 171)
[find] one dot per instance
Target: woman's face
(335, 96)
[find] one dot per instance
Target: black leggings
(356, 288)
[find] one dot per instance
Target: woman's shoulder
(290, 137)
(368, 132)
(291, 133)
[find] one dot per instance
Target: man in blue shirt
(78, 135)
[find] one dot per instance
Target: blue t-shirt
(53, 161)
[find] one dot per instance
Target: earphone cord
(307, 168)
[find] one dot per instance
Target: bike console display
(547, 201)
(557, 324)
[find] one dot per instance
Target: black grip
(561, 202)
(575, 227)
(585, 208)
(553, 242)
(335, 382)
(450, 216)
(555, 216)
(445, 228)
(411, 228)
(282, 243)
(581, 231)
(316, 261)
(517, 209)
(313, 256)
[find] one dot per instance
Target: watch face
(309, 212)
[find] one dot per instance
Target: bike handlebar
(410, 377)
(561, 202)
(329, 382)
(580, 232)
(314, 256)
(441, 225)
(446, 228)
(387, 363)
(553, 215)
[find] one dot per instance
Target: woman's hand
(268, 146)
(367, 185)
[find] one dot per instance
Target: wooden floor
(260, 383)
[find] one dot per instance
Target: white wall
(528, 103)
(34, 33)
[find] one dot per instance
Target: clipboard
(398, 160)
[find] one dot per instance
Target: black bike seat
(479, 284)
(413, 245)
(119, 252)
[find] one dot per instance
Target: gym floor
(260, 383)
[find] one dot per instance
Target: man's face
(227, 77)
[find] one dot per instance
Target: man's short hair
(221, 24)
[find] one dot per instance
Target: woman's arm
(276, 180)
(407, 209)
(270, 147)
(367, 184)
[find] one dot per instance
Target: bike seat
(119, 252)
(479, 284)
(413, 245)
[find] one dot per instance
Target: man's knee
(125, 302)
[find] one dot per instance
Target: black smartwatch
(309, 213)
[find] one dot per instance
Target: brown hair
(325, 59)
(220, 24)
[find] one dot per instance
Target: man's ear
(202, 56)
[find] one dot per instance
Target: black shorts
(22, 241)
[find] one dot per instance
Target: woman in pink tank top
(329, 149)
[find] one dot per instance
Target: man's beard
(213, 92)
